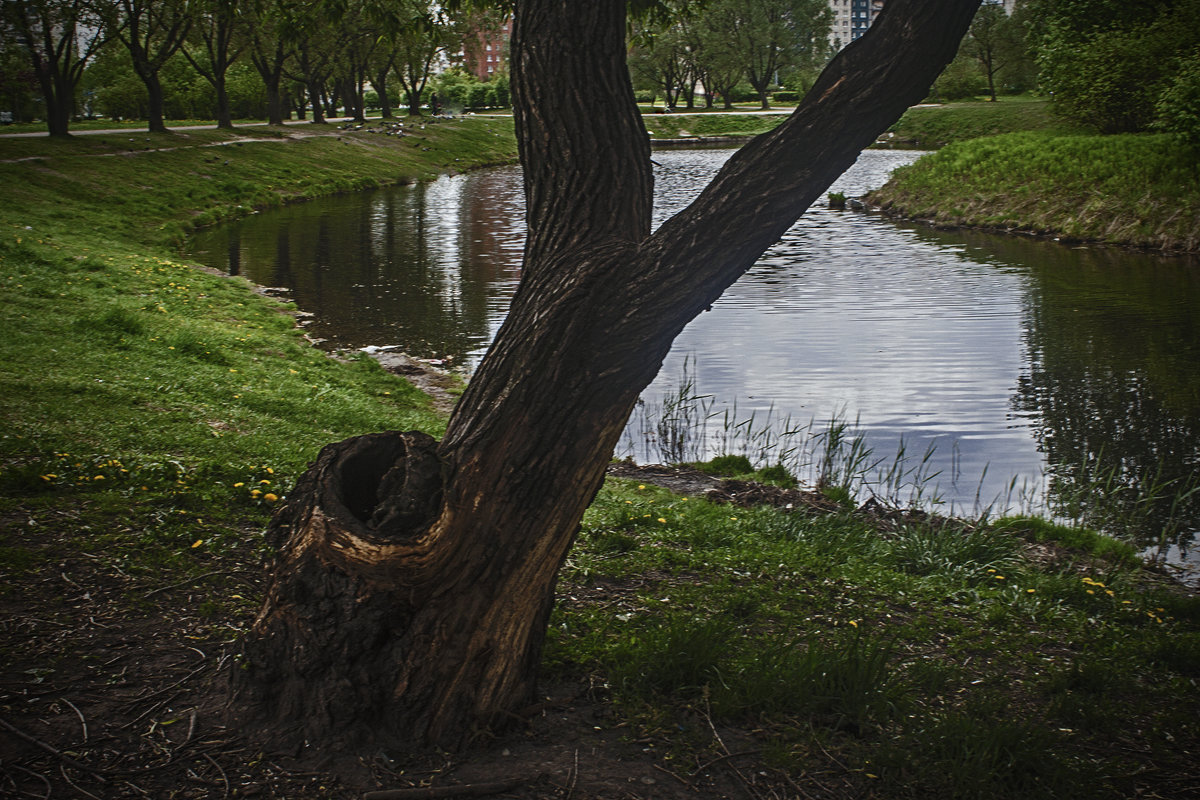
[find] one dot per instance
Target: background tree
(659, 60)
(274, 30)
(19, 88)
(213, 48)
(992, 41)
(59, 38)
(422, 35)
(318, 41)
(1107, 62)
(774, 35)
(413, 581)
(152, 31)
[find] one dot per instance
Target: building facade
(485, 50)
(851, 18)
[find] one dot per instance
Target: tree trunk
(224, 115)
(385, 99)
(314, 99)
(154, 102)
(410, 595)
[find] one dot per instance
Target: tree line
(731, 50)
(229, 58)
(1118, 66)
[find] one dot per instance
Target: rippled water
(1017, 361)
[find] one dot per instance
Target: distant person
(435, 107)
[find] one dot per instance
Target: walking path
(337, 120)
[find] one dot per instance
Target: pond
(1010, 373)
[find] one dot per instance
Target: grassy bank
(150, 397)
(153, 415)
(929, 127)
(1141, 190)
(717, 125)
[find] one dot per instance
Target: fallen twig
(73, 785)
(61, 756)
(82, 721)
(38, 775)
(432, 792)
(224, 779)
(192, 579)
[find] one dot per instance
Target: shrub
(1178, 107)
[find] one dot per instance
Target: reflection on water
(1029, 365)
(430, 266)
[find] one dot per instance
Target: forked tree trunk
(410, 596)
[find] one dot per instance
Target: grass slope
(929, 127)
(128, 373)
(1141, 190)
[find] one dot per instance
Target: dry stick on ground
(193, 579)
(82, 721)
(61, 756)
(708, 718)
(62, 771)
(434, 792)
(224, 779)
(38, 775)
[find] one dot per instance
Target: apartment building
(851, 18)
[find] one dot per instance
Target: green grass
(685, 125)
(941, 660)
(1141, 190)
(933, 126)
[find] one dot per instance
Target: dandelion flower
(662, 519)
(269, 497)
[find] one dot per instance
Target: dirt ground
(110, 682)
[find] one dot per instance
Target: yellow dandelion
(269, 497)
(239, 484)
(662, 519)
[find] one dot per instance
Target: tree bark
(409, 599)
